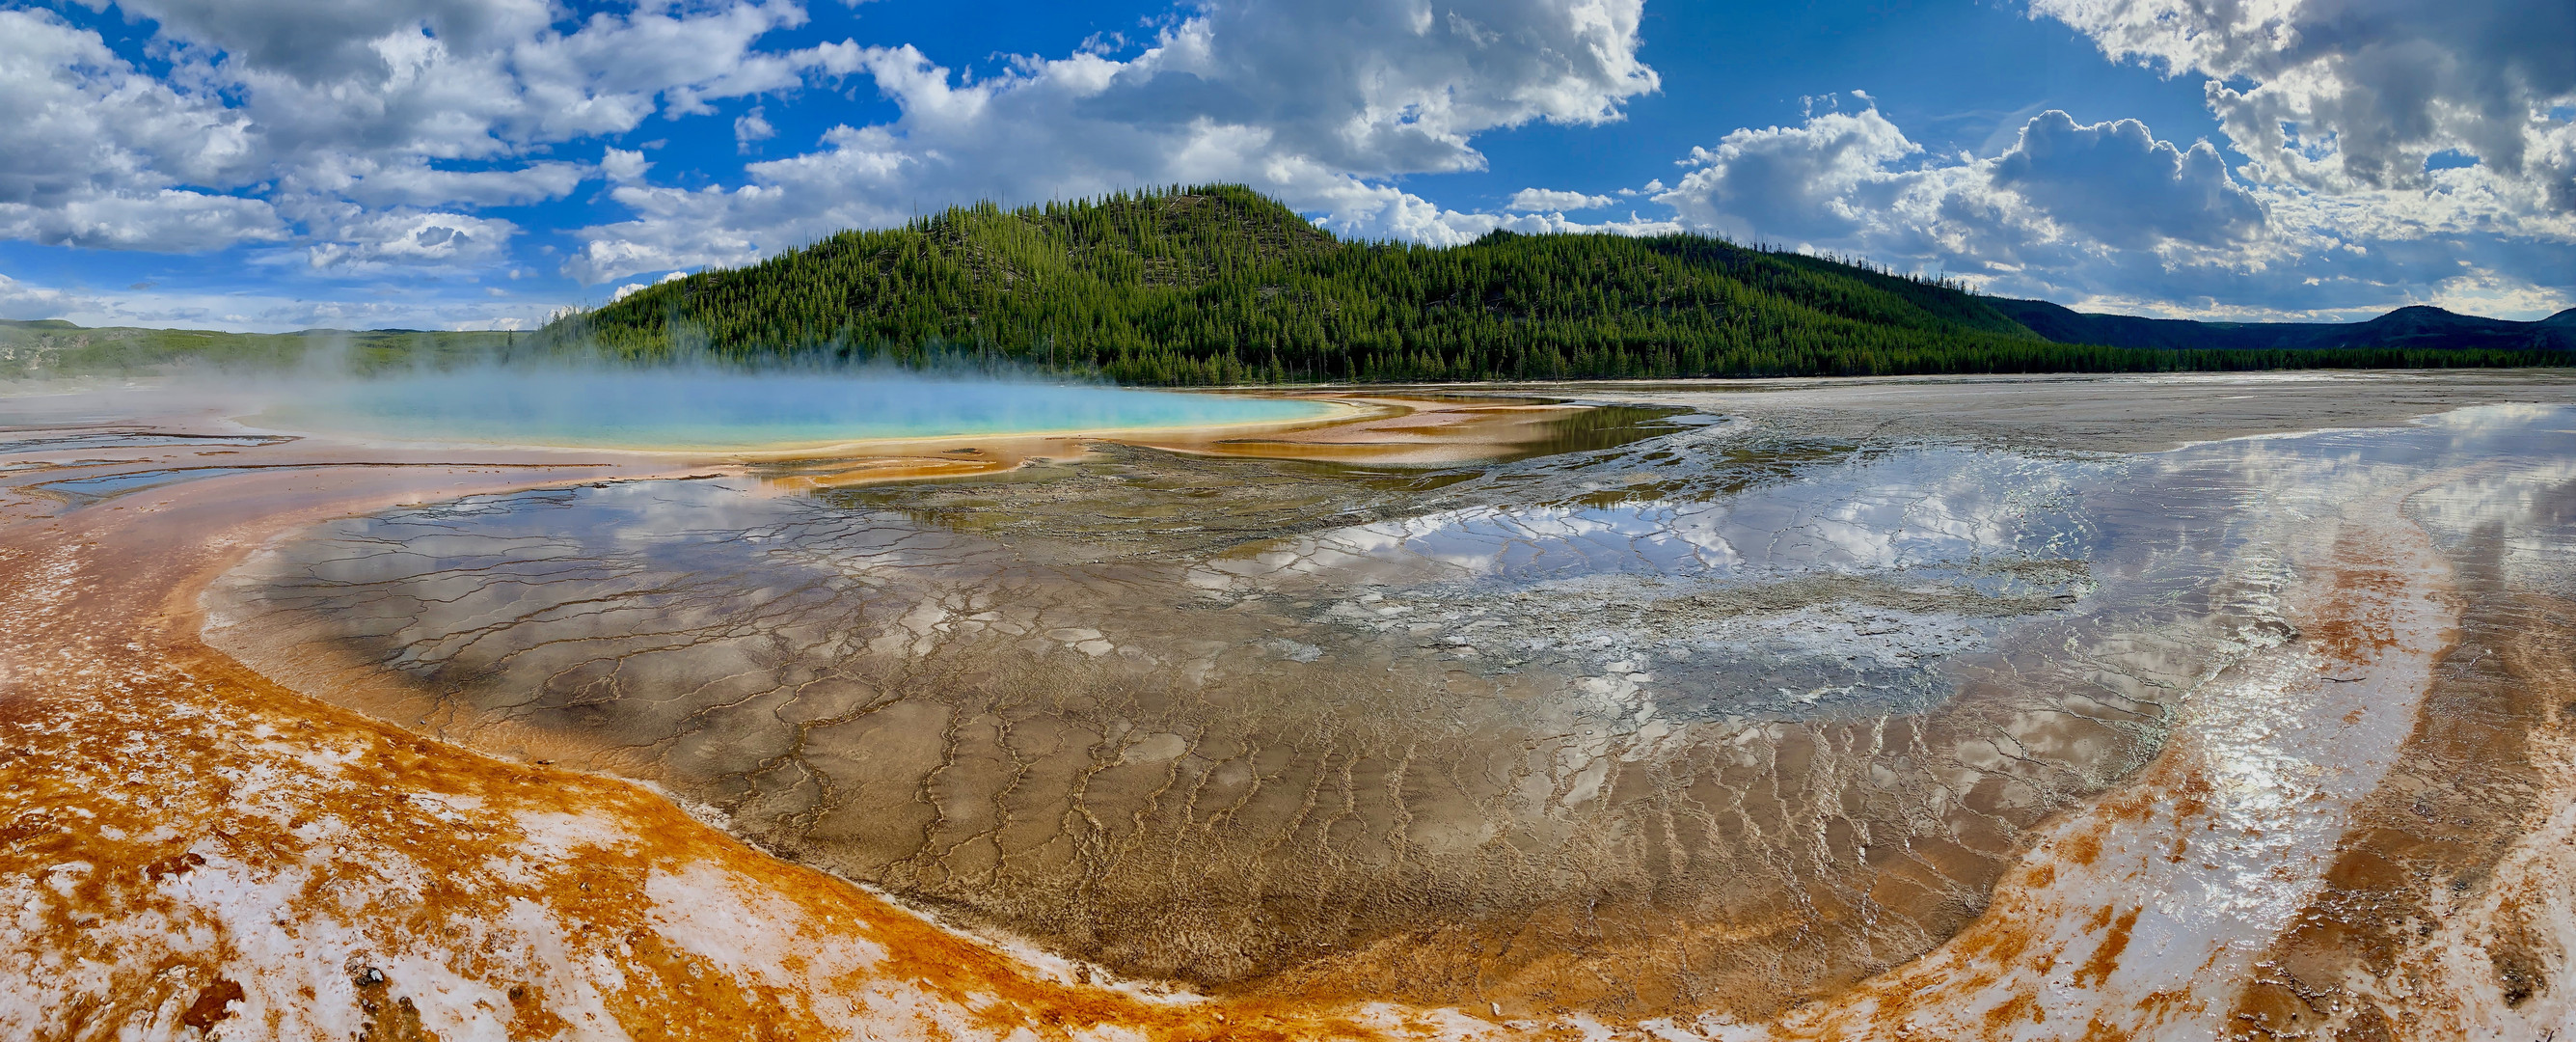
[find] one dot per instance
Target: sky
(274, 165)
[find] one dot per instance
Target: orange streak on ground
(188, 845)
(2056, 946)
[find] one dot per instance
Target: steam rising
(564, 391)
(705, 408)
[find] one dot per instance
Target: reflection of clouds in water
(2498, 420)
(672, 523)
(2525, 515)
(2198, 530)
(1482, 540)
(1895, 510)
(2515, 469)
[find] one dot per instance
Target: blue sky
(284, 164)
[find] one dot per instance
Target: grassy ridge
(54, 347)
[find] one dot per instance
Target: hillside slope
(1219, 284)
(56, 347)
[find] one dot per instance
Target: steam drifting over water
(705, 408)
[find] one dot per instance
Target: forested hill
(1218, 284)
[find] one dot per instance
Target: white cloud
(633, 288)
(752, 126)
(2478, 291)
(367, 241)
(2119, 185)
(411, 181)
(1536, 200)
(2105, 215)
(1310, 102)
(96, 152)
(399, 305)
(2338, 103)
(78, 114)
(1824, 179)
(2339, 95)
(278, 116)
(624, 166)
(461, 79)
(365, 136)
(164, 219)
(21, 301)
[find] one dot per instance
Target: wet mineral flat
(1714, 722)
(2173, 707)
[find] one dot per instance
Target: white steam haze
(699, 408)
(579, 399)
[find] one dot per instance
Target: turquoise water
(691, 409)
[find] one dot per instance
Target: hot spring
(693, 409)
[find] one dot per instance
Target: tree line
(1216, 284)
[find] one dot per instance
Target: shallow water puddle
(84, 491)
(135, 440)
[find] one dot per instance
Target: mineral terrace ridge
(2175, 706)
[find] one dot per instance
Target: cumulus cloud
(623, 166)
(2107, 214)
(277, 115)
(164, 219)
(364, 138)
(2119, 185)
(2339, 108)
(1536, 200)
(633, 288)
(1825, 179)
(259, 310)
(417, 112)
(21, 301)
(456, 79)
(2339, 95)
(1313, 102)
(411, 181)
(362, 241)
(97, 152)
(752, 126)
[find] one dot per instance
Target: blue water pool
(696, 409)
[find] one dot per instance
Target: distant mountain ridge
(2417, 327)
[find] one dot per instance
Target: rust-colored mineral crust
(190, 847)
